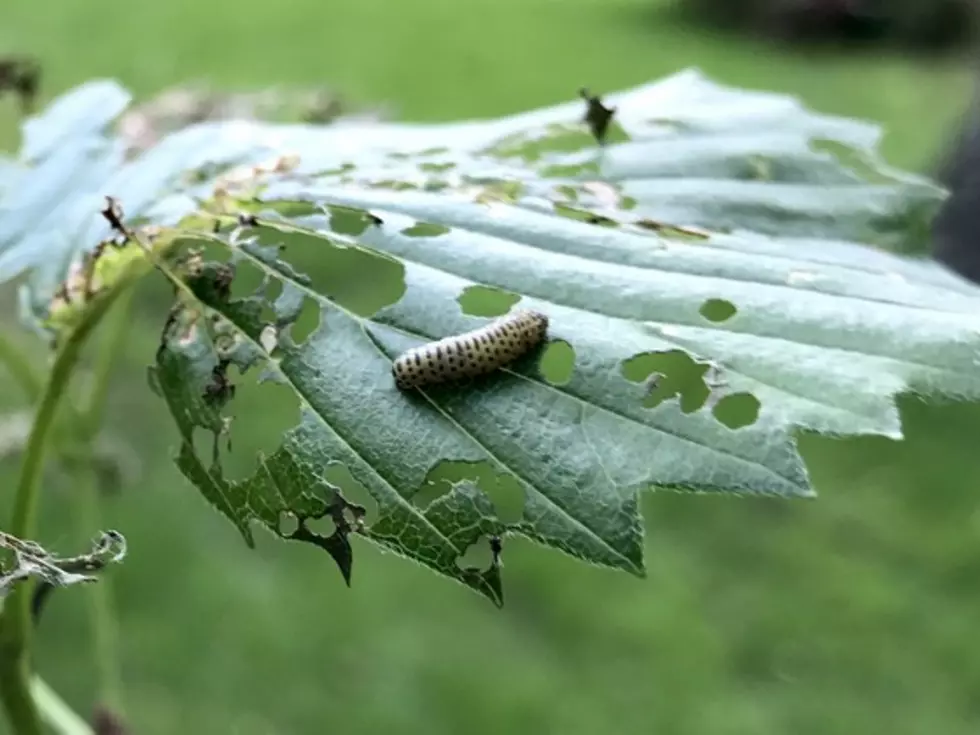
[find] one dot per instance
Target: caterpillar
(472, 353)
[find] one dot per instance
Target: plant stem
(101, 613)
(101, 609)
(15, 621)
(18, 700)
(118, 324)
(59, 716)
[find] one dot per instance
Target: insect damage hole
(351, 221)
(486, 301)
(324, 526)
(670, 374)
(207, 446)
(425, 229)
(718, 310)
(250, 439)
(557, 362)
(472, 354)
(737, 410)
(246, 280)
(353, 491)
(288, 523)
(359, 280)
(305, 323)
(484, 553)
(503, 490)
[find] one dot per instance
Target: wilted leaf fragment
(32, 560)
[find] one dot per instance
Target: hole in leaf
(670, 374)
(718, 310)
(583, 215)
(486, 301)
(290, 208)
(558, 139)
(339, 475)
(504, 490)
(275, 403)
(288, 523)
(250, 281)
(507, 496)
(350, 221)
(737, 410)
(306, 323)
(203, 441)
(425, 229)
(557, 362)
(358, 280)
(479, 555)
(324, 526)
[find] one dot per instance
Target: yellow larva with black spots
(472, 353)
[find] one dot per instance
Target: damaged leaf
(714, 278)
(828, 353)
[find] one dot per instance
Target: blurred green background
(851, 614)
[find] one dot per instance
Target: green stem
(18, 700)
(118, 325)
(102, 614)
(59, 716)
(15, 621)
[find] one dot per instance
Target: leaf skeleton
(471, 354)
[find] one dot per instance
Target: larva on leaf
(472, 353)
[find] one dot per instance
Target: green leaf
(806, 333)
(713, 275)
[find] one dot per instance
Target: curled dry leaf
(32, 560)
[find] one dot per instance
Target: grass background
(852, 614)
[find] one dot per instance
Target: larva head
(536, 324)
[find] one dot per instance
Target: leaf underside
(722, 254)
